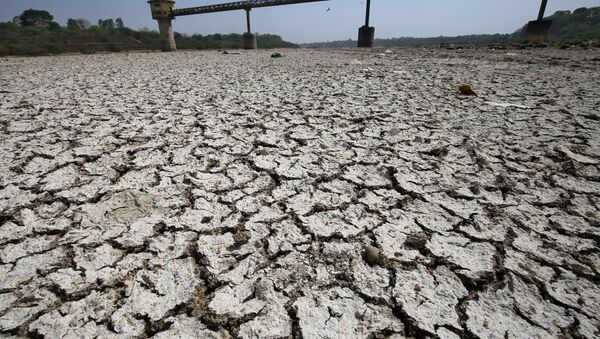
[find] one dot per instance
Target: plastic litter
(276, 55)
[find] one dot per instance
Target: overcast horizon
(322, 21)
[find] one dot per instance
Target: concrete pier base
(537, 29)
(167, 38)
(366, 36)
(249, 40)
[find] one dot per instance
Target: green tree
(72, 24)
(54, 26)
(562, 13)
(78, 24)
(119, 23)
(35, 18)
(108, 24)
(84, 24)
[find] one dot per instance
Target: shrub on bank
(47, 37)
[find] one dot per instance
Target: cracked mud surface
(328, 194)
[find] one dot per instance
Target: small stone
(373, 255)
(241, 237)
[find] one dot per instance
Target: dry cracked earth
(325, 194)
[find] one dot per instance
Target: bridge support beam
(542, 10)
(539, 29)
(162, 12)
(366, 34)
(248, 38)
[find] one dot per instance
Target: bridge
(232, 6)
(248, 38)
(164, 12)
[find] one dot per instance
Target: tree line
(34, 32)
(44, 20)
(580, 26)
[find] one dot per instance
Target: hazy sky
(312, 22)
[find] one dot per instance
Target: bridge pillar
(539, 28)
(161, 12)
(366, 34)
(167, 38)
(248, 38)
(249, 41)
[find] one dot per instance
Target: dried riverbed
(339, 194)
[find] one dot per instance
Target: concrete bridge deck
(326, 193)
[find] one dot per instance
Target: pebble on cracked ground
(326, 194)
